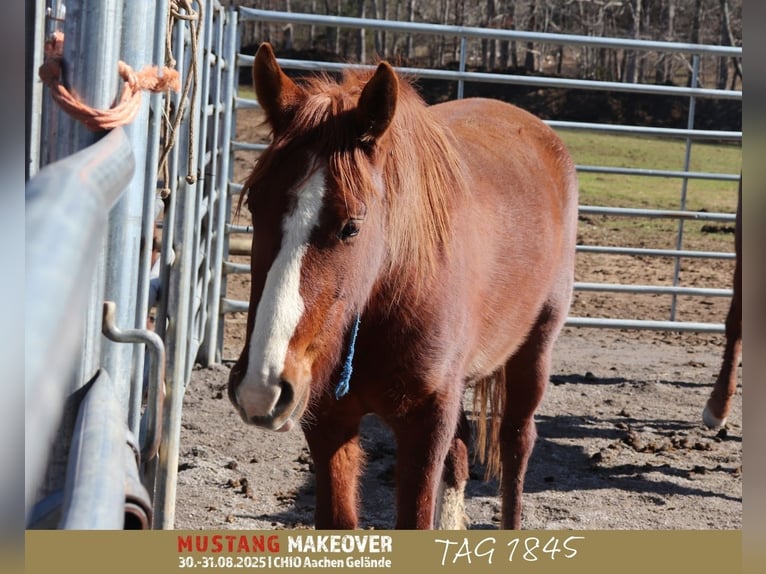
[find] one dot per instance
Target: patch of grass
(588, 148)
(651, 192)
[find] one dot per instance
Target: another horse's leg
(526, 377)
(718, 405)
(423, 439)
(338, 457)
(450, 503)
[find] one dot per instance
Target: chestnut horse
(427, 249)
(718, 405)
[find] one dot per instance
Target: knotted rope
(345, 374)
(182, 10)
(126, 108)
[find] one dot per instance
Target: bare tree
(411, 4)
(727, 39)
(631, 69)
(361, 51)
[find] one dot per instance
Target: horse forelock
(421, 169)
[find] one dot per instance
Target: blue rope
(345, 375)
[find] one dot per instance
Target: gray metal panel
(689, 134)
(66, 215)
(94, 494)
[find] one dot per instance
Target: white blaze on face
(281, 306)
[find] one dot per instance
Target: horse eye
(350, 229)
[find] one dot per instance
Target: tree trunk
(411, 5)
(529, 59)
(491, 44)
(312, 28)
(459, 21)
(339, 12)
(727, 39)
(361, 48)
(631, 68)
(695, 39)
(664, 66)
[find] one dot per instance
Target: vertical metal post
(219, 251)
(178, 250)
(211, 175)
(125, 220)
(206, 144)
(151, 201)
(35, 30)
(94, 495)
(92, 30)
(460, 82)
(54, 21)
(684, 183)
(156, 119)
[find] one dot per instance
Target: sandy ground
(621, 444)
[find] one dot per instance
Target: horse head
(318, 206)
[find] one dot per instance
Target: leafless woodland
(694, 21)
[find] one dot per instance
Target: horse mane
(422, 173)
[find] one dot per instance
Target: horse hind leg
(450, 501)
(719, 403)
(717, 408)
(526, 377)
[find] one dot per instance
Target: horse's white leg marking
(450, 507)
(281, 306)
(710, 420)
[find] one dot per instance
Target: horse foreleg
(450, 502)
(338, 459)
(423, 438)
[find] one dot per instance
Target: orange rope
(130, 99)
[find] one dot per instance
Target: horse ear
(277, 94)
(377, 103)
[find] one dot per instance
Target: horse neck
(424, 179)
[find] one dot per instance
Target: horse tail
(488, 407)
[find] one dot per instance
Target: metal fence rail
(67, 204)
(689, 134)
(130, 394)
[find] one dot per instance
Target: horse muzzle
(273, 406)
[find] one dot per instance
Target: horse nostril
(285, 397)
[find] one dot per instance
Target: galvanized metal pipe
(125, 224)
(681, 133)
(651, 289)
(94, 492)
(515, 79)
(733, 135)
(205, 168)
(229, 79)
(654, 252)
(66, 214)
(92, 31)
(183, 238)
(152, 207)
(485, 33)
(658, 173)
(229, 306)
(35, 32)
(676, 326)
(685, 181)
(657, 213)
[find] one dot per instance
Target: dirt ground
(621, 444)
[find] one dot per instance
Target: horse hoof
(710, 420)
